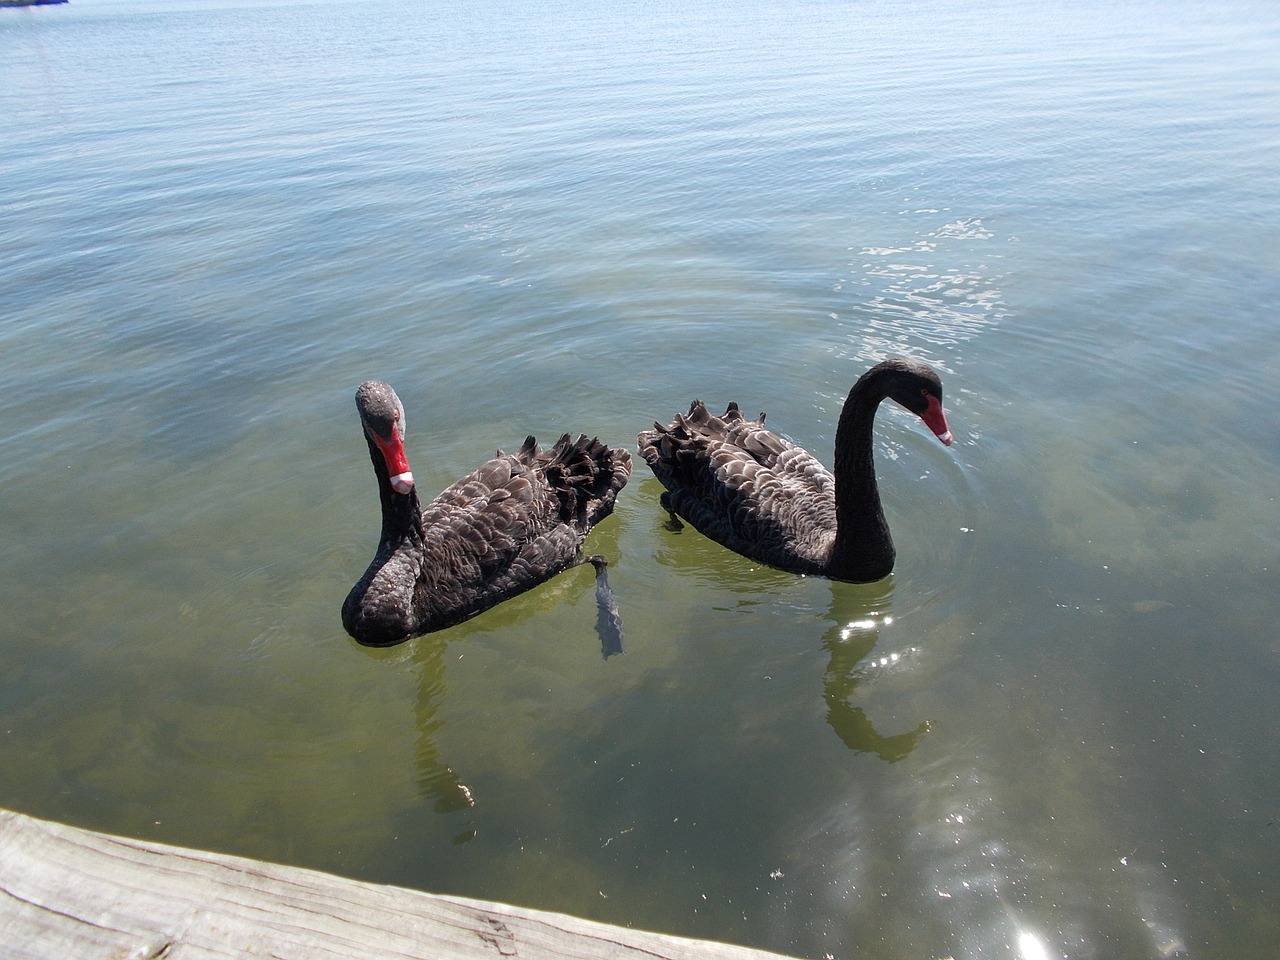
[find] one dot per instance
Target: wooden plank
(70, 893)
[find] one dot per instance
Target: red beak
(397, 463)
(936, 420)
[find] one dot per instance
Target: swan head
(917, 386)
(382, 416)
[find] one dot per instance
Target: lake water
(1053, 732)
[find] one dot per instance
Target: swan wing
(745, 486)
(514, 522)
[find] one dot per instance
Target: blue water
(1052, 733)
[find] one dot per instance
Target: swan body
(513, 523)
(763, 496)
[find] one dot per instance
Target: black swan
(762, 496)
(515, 522)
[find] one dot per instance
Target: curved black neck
(863, 549)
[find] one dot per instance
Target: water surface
(1050, 733)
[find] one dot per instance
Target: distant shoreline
(30, 3)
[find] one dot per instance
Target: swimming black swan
(516, 521)
(764, 497)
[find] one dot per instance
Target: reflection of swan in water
(438, 782)
(857, 614)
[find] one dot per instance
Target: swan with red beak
(516, 521)
(763, 496)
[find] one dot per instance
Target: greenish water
(1051, 733)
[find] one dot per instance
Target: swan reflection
(438, 782)
(858, 613)
(436, 779)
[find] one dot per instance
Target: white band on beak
(402, 482)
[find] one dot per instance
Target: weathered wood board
(71, 894)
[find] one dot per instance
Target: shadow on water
(608, 616)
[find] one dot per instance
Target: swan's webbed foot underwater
(608, 618)
(673, 522)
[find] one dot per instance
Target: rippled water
(1051, 733)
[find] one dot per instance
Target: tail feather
(585, 475)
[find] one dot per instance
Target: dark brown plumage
(515, 522)
(763, 496)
